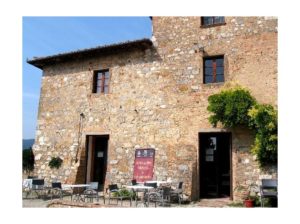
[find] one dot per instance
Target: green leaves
(263, 119)
(236, 106)
(230, 107)
(55, 162)
(28, 160)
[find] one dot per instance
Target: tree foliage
(28, 160)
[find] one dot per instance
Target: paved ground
(40, 203)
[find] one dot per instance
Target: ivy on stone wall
(236, 106)
(230, 107)
(264, 122)
(55, 162)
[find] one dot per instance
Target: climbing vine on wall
(236, 106)
(264, 122)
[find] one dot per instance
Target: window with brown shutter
(101, 81)
(213, 68)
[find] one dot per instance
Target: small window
(213, 69)
(101, 81)
(212, 20)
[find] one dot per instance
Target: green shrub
(123, 192)
(28, 160)
(230, 107)
(236, 106)
(55, 162)
(264, 122)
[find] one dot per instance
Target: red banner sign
(143, 164)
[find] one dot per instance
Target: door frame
(218, 131)
(94, 134)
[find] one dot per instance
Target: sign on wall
(143, 164)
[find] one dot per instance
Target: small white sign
(100, 154)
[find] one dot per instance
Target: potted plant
(249, 201)
(247, 194)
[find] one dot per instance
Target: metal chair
(161, 196)
(268, 189)
(92, 192)
(133, 182)
(27, 185)
(56, 189)
(37, 186)
(178, 192)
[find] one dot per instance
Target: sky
(44, 36)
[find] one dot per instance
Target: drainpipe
(79, 135)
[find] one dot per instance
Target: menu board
(143, 164)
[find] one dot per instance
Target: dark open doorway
(215, 165)
(97, 146)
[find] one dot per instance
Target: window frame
(96, 82)
(214, 68)
(211, 25)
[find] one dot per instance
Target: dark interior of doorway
(215, 165)
(98, 159)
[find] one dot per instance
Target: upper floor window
(212, 20)
(101, 81)
(213, 69)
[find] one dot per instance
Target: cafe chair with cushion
(268, 189)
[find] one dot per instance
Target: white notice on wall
(100, 154)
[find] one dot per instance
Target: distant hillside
(27, 143)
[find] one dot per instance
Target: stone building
(97, 106)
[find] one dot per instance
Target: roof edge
(41, 62)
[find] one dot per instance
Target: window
(212, 20)
(101, 81)
(213, 69)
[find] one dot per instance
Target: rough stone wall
(156, 99)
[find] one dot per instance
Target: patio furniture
(76, 194)
(114, 192)
(140, 188)
(133, 182)
(56, 190)
(178, 192)
(151, 184)
(268, 189)
(92, 192)
(38, 187)
(26, 186)
(162, 196)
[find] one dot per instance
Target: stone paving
(41, 203)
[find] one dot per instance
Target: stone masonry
(156, 99)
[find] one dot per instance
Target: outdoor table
(143, 188)
(77, 195)
(158, 182)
